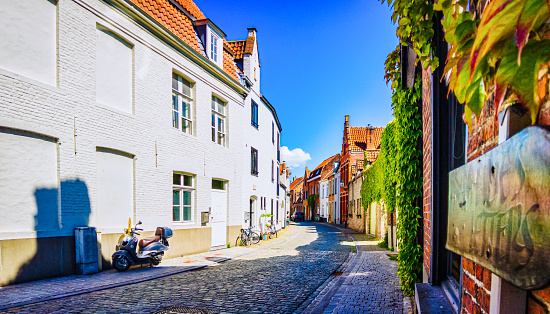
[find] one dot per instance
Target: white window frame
(184, 188)
(178, 98)
(214, 47)
(219, 113)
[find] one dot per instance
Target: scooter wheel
(121, 263)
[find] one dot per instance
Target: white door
(218, 217)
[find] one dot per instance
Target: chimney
(252, 32)
(346, 122)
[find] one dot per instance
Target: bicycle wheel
(243, 240)
(271, 234)
(255, 238)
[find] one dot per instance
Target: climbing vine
(415, 26)
(499, 49)
(408, 157)
(388, 151)
(371, 187)
(311, 200)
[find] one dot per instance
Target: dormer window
(213, 47)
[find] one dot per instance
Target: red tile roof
(228, 63)
(174, 20)
(238, 48)
(296, 182)
(192, 8)
(363, 138)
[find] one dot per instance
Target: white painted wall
(70, 112)
(28, 39)
(261, 139)
(323, 200)
(28, 184)
(113, 71)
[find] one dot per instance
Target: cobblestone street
(274, 280)
(310, 270)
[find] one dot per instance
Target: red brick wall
(539, 301)
(476, 292)
(427, 153)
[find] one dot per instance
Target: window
(181, 104)
(214, 48)
(273, 132)
(254, 115)
(218, 184)
(182, 197)
(272, 171)
(254, 161)
(218, 121)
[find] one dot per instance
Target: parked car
(298, 216)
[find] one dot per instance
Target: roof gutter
(162, 33)
(272, 109)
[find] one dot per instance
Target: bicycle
(272, 230)
(248, 237)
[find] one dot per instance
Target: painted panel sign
(499, 209)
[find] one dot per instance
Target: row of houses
(331, 192)
(138, 109)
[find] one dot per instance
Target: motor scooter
(145, 251)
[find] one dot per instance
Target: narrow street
(284, 278)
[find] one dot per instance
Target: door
(218, 217)
(373, 219)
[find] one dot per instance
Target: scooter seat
(146, 241)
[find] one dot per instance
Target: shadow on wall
(58, 211)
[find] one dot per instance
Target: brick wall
(427, 155)
(476, 293)
(539, 301)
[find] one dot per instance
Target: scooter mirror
(139, 223)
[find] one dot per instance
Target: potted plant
(265, 227)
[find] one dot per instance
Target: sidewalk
(366, 283)
(61, 287)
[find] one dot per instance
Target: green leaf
(498, 22)
(535, 12)
(522, 80)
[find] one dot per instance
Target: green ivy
(414, 19)
(311, 200)
(388, 151)
(409, 178)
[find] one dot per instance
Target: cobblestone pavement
(369, 284)
(276, 279)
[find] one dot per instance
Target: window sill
(431, 299)
(112, 109)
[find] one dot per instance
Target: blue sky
(320, 61)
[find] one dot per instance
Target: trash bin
(86, 250)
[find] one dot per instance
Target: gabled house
(358, 144)
(296, 190)
(159, 133)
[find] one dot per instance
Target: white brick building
(112, 111)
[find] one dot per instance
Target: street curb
(309, 305)
(126, 283)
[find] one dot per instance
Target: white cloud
(294, 158)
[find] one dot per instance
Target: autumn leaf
(499, 21)
(523, 80)
(535, 12)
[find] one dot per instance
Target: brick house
(296, 192)
(358, 143)
(451, 280)
(326, 188)
(140, 109)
